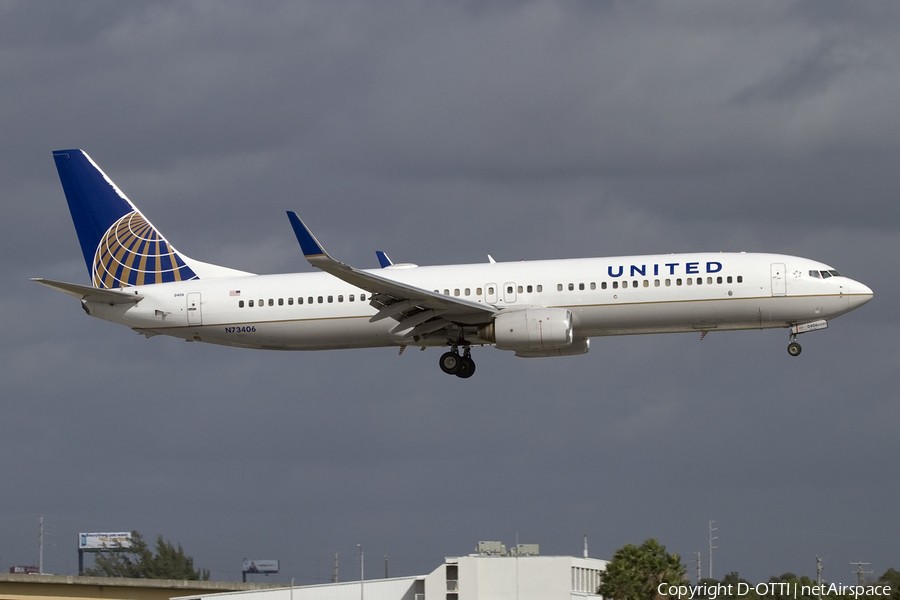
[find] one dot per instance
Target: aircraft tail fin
(121, 247)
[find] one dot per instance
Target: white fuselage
(606, 296)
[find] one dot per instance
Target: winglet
(383, 259)
(308, 243)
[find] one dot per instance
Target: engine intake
(537, 329)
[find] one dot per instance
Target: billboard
(260, 566)
(25, 570)
(97, 542)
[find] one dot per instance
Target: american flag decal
(234, 293)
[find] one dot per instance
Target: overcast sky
(441, 132)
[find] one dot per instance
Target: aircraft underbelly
(704, 315)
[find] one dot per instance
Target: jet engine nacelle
(536, 329)
(579, 346)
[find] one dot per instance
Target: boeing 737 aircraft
(533, 308)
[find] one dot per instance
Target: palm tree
(636, 572)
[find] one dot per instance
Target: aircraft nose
(860, 293)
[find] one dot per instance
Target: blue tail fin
(121, 247)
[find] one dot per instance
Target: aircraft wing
(91, 294)
(422, 310)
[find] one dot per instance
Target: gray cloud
(441, 133)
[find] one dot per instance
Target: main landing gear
(794, 348)
(453, 364)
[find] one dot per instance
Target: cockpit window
(814, 274)
(834, 273)
(826, 274)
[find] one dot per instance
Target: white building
(473, 577)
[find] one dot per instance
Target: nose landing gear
(452, 363)
(794, 348)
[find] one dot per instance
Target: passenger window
(529, 289)
(581, 287)
(690, 281)
(719, 279)
(699, 281)
(281, 302)
(668, 283)
(321, 300)
(310, 299)
(477, 291)
(351, 298)
(468, 292)
(446, 292)
(520, 289)
(656, 283)
(341, 298)
(615, 285)
(241, 303)
(634, 284)
(330, 299)
(571, 287)
(362, 297)
(290, 301)
(646, 283)
(491, 291)
(593, 286)
(559, 287)
(740, 279)
(603, 286)
(678, 281)
(300, 300)
(624, 284)
(540, 288)
(250, 304)
(729, 279)
(509, 289)
(262, 302)
(456, 292)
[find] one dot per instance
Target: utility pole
(41, 545)
(334, 578)
(362, 572)
(699, 564)
(711, 538)
(41, 535)
(860, 572)
(819, 574)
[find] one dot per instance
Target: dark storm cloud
(440, 133)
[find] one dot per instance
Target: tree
(635, 573)
(138, 562)
(891, 577)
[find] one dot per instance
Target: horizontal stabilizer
(91, 294)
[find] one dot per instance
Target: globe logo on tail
(133, 253)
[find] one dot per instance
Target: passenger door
(194, 312)
(779, 282)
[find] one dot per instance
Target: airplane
(542, 308)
